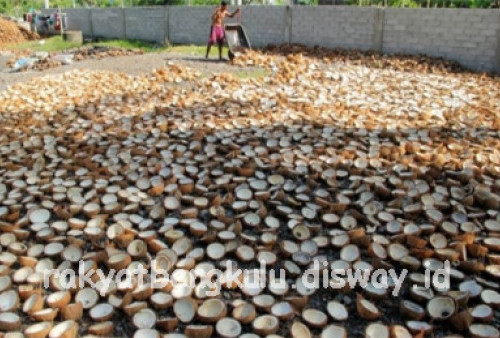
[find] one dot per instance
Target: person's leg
(208, 50)
(210, 41)
(221, 43)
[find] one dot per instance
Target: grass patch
(147, 47)
(53, 44)
(57, 44)
(197, 50)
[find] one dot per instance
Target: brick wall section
(336, 26)
(147, 24)
(469, 36)
(108, 23)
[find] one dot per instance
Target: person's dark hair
(223, 3)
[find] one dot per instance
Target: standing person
(217, 28)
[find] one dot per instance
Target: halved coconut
(491, 297)
(337, 311)
(9, 321)
(39, 216)
(376, 330)
(472, 287)
(397, 251)
(441, 307)
(185, 309)
(493, 270)
(299, 330)
(171, 203)
(348, 222)
(305, 289)
(167, 324)
(483, 331)
(366, 309)
(282, 310)
(492, 243)
(66, 329)
(265, 325)
(492, 225)
(148, 333)
(375, 292)
(417, 327)
(245, 253)
(102, 312)
(264, 302)
(244, 194)
(119, 261)
(199, 330)
(161, 300)
(88, 297)
(212, 310)
(482, 313)
(7, 258)
(144, 319)
(132, 308)
(461, 320)
(45, 314)
(182, 246)
(137, 248)
(72, 253)
(228, 328)
(59, 299)
(350, 253)
(334, 331)
(33, 303)
(9, 301)
(421, 294)
(244, 313)
(411, 310)
(101, 329)
(399, 331)
(72, 311)
(315, 318)
(38, 330)
(267, 258)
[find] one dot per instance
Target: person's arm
(233, 14)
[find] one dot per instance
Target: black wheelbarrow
(237, 39)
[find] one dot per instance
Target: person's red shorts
(216, 35)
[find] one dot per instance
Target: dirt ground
(134, 65)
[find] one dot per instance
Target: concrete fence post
(288, 24)
(497, 57)
(91, 24)
(378, 36)
(167, 24)
(124, 23)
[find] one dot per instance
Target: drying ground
(358, 161)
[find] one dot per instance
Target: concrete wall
(335, 26)
(189, 25)
(266, 24)
(108, 23)
(148, 24)
(469, 36)
(79, 19)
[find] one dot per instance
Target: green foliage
(19, 7)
